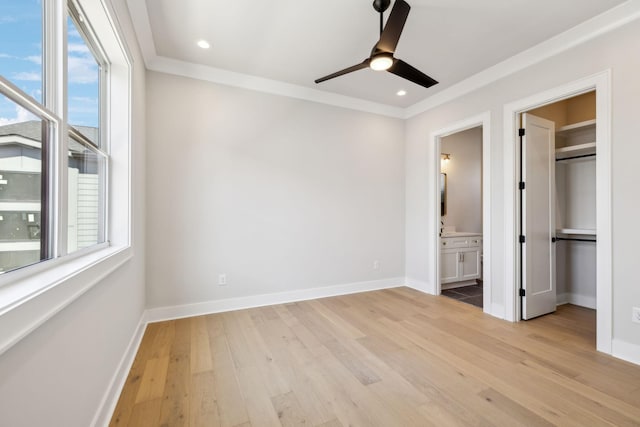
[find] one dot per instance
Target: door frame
(601, 83)
(483, 120)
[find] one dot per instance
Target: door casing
(601, 83)
(483, 120)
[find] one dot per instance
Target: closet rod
(575, 239)
(575, 157)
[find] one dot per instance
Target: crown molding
(590, 29)
(260, 84)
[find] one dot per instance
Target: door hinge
(521, 186)
(522, 293)
(521, 132)
(522, 239)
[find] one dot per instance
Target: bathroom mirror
(443, 194)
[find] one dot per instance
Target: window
(65, 155)
(53, 157)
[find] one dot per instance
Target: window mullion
(55, 99)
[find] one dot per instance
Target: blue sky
(21, 63)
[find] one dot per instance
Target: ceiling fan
(381, 57)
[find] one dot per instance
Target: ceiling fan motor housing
(381, 5)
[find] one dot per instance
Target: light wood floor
(386, 358)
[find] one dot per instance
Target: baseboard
(576, 299)
(562, 299)
(110, 399)
(626, 351)
(419, 285)
(218, 306)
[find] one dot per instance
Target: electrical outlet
(222, 279)
(376, 265)
(635, 317)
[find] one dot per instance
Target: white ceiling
(297, 41)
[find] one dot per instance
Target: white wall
(279, 194)
(615, 50)
(58, 375)
(464, 179)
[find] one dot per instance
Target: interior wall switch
(636, 314)
(222, 279)
(376, 265)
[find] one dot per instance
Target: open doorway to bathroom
(461, 216)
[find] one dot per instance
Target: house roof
(32, 130)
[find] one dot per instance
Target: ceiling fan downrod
(380, 6)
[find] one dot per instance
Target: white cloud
(35, 59)
(28, 76)
(82, 70)
(78, 48)
(73, 32)
(83, 105)
(22, 115)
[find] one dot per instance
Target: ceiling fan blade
(406, 71)
(363, 64)
(393, 28)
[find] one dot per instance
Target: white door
(538, 217)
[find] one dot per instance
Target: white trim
(110, 399)
(626, 351)
(419, 285)
(576, 299)
(581, 33)
(27, 303)
(218, 306)
(274, 87)
(142, 27)
(483, 120)
(601, 82)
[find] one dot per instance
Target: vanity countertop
(459, 234)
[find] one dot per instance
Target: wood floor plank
(175, 403)
(289, 411)
(153, 379)
(203, 407)
(229, 397)
(394, 357)
(200, 347)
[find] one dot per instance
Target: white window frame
(31, 295)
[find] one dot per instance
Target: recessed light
(401, 93)
(204, 44)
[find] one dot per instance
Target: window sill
(29, 301)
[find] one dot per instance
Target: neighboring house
(21, 194)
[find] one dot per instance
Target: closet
(558, 205)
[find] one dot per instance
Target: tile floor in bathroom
(471, 294)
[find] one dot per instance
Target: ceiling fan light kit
(381, 62)
(381, 57)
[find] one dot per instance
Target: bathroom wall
(464, 179)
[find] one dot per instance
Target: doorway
(558, 206)
(461, 209)
(461, 216)
(516, 270)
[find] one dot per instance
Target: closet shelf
(565, 130)
(577, 231)
(576, 150)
